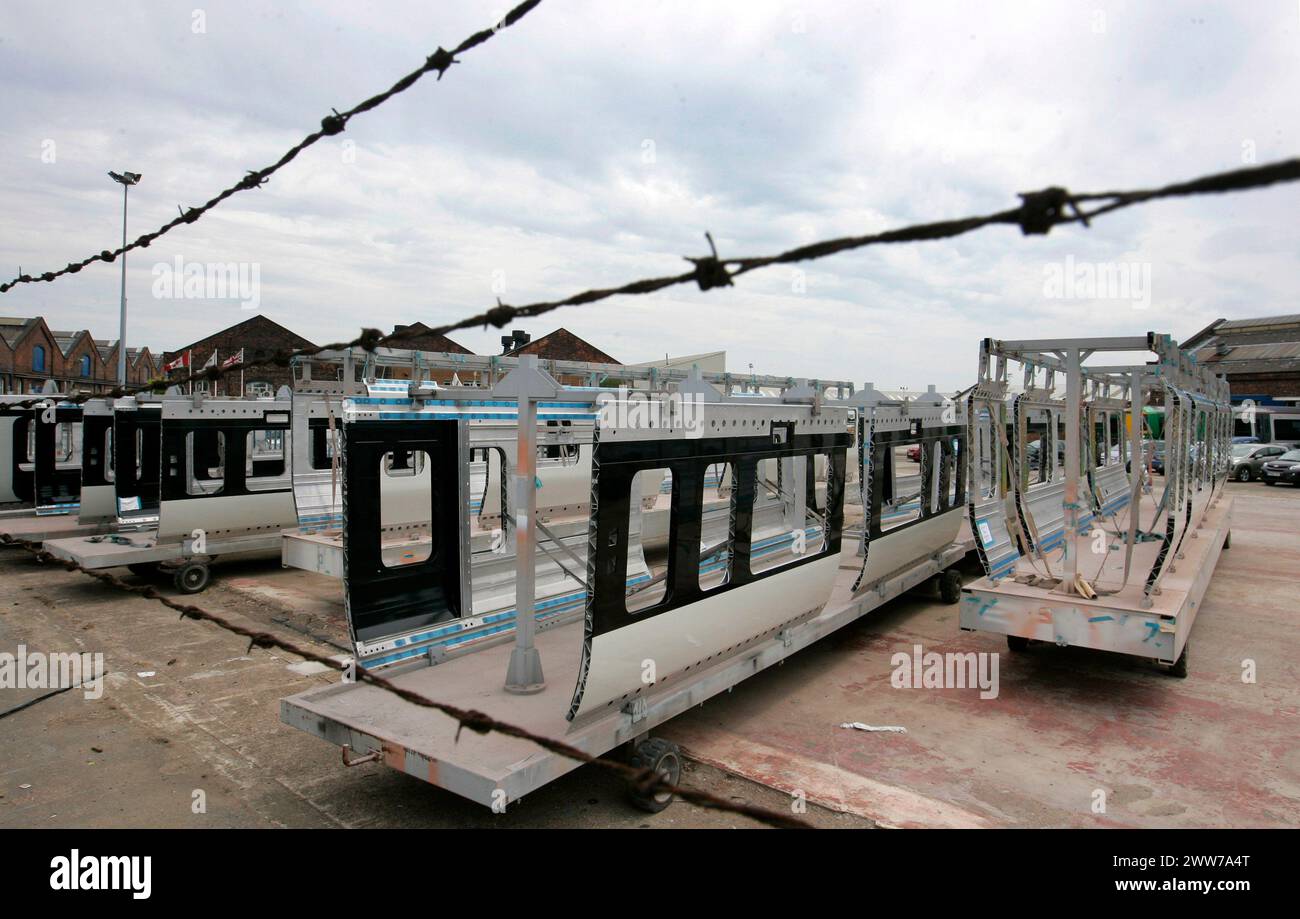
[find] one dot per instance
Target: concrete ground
(1210, 750)
(188, 714)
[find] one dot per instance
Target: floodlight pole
(126, 180)
(121, 333)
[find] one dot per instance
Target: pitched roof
(259, 319)
(419, 337)
(563, 345)
(13, 328)
(1242, 346)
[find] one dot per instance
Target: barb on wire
(646, 781)
(1037, 213)
(334, 123)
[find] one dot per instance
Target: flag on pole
(233, 359)
(211, 362)
(182, 360)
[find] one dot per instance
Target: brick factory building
(257, 337)
(1261, 357)
(31, 354)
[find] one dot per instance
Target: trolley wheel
(1179, 667)
(1227, 540)
(192, 577)
(950, 586)
(1017, 643)
(1243, 474)
(665, 759)
(144, 569)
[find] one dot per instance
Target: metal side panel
(1042, 509)
(897, 548)
(1112, 489)
(626, 649)
(223, 518)
(691, 636)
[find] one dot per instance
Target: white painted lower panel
(891, 551)
(233, 516)
(690, 635)
(98, 502)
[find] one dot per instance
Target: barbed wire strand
(334, 123)
(1037, 213)
(645, 781)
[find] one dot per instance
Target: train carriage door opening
(419, 584)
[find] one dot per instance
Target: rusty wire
(334, 123)
(1036, 214)
(645, 781)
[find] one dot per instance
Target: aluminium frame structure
(1036, 519)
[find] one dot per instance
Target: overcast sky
(595, 143)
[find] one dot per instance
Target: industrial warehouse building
(32, 354)
(1261, 359)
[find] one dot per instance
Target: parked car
(1245, 439)
(914, 453)
(1285, 468)
(1158, 457)
(1033, 448)
(1248, 459)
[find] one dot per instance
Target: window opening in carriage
(405, 506)
(64, 442)
(264, 459)
(956, 468)
(488, 483)
(648, 573)
(818, 484)
(769, 480)
(206, 467)
(717, 519)
(324, 446)
(1036, 447)
(794, 528)
(987, 450)
(938, 464)
(1099, 445)
(109, 472)
(1058, 425)
(900, 497)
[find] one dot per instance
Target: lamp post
(126, 180)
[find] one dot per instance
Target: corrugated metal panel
(1290, 319)
(1279, 351)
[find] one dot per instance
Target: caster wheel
(192, 577)
(1017, 643)
(1179, 667)
(950, 586)
(665, 759)
(144, 569)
